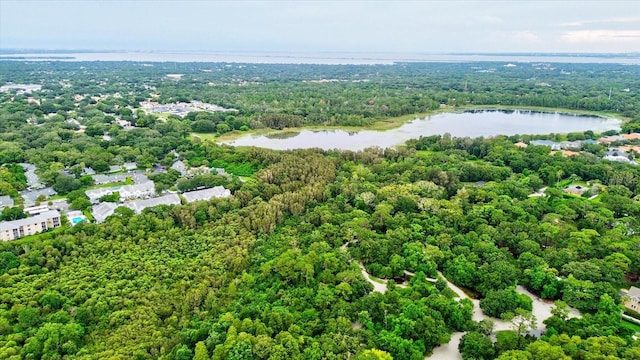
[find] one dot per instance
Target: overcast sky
(352, 26)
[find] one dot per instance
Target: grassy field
(630, 325)
(88, 215)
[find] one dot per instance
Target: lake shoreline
(396, 122)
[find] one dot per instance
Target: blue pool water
(76, 220)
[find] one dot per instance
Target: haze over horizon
(324, 26)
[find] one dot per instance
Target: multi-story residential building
(137, 191)
(139, 205)
(102, 211)
(94, 195)
(36, 210)
(207, 194)
(11, 230)
(632, 300)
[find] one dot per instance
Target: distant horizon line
(17, 51)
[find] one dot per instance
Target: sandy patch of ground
(448, 351)
(541, 310)
(379, 285)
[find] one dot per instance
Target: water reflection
(282, 135)
(472, 123)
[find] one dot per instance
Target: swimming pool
(77, 219)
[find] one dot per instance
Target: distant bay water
(330, 58)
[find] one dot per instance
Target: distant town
(618, 147)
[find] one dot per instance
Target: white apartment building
(137, 191)
(11, 230)
(206, 194)
(94, 195)
(102, 211)
(139, 205)
(36, 210)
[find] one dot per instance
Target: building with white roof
(619, 158)
(5, 201)
(30, 197)
(20, 88)
(220, 171)
(11, 230)
(61, 205)
(36, 210)
(200, 170)
(137, 191)
(88, 171)
(130, 166)
(180, 167)
(94, 195)
(632, 300)
(206, 194)
(33, 181)
(100, 179)
(139, 205)
(102, 211)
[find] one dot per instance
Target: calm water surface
(333, 58)
(471, 124)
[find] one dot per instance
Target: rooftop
(207, 194)
(31, 196)
(632, 136)
(610, 139)
(44, 216)
(30, 172)
(6, 201)
(103, 210)
(180, 167)
(130, 166)
(27, 88)
(576, 189)
(139, 205)
(104, 179)
(99, 192)
(88, 171)
(137, 189)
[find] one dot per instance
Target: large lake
(471, 124)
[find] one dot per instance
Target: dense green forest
(278, 96)
(280, 269)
